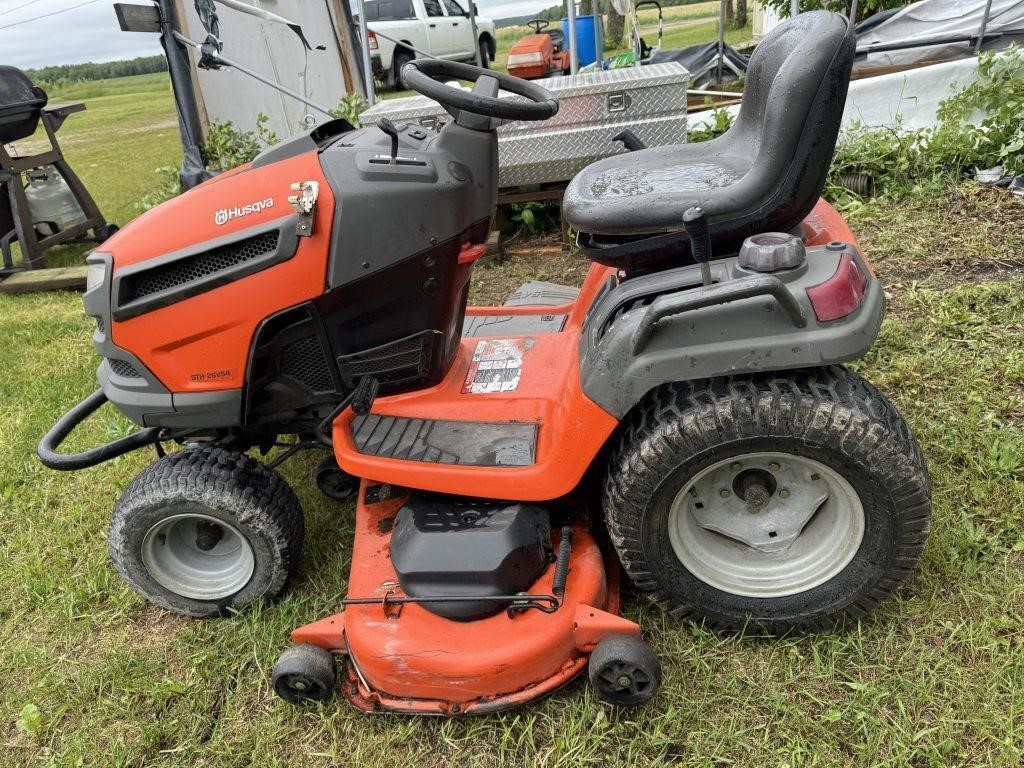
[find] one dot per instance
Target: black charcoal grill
(23, 106)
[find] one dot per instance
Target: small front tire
(206, 530)
(304, 673)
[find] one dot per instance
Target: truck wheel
(485, 53)
(788, 501)
(206, 529)
(402, 57)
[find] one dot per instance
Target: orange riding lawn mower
(542, 54)
(684, 414)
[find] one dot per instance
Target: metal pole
(794, 8)
(476, 34)
(574, 60)
(598, 32)
(364, 43)
(255, 75)
(853, 12)
(721, 39)
(984, 25)
(180, 69)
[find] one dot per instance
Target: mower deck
(523, 427)
(403, 658)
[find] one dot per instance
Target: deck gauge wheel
(624, 671)
(334, 482)
(304, 673)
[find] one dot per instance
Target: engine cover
(443, 546)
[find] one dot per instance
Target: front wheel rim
(804, 524)
(173, 556)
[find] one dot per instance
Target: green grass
(931, 679)
(91, 675)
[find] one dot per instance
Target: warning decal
(496, 366)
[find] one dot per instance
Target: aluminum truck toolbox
(649, 100)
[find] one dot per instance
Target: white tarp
(937, 18)
(909, 98)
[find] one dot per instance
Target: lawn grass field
(91, 675)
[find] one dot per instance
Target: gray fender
(741, 336)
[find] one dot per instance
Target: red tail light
(372, 37)
(840, 294)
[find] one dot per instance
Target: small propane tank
(51, 202)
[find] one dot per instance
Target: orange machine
(542, 54)
(683, 415)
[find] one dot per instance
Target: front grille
(123, 368)
(193, 268)
(304, 360)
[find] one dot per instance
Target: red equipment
(691, 390)
(542, 54)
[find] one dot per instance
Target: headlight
(94, 275)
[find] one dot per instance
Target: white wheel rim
(808, 532)
(176, 562)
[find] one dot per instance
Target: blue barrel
(586, 45)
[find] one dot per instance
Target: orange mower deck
(402, 658)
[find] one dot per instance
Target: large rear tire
(205, 530)
(789, 501)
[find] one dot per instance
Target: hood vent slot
(193, 268)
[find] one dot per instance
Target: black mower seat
(764, 174)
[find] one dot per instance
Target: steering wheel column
(479, 109)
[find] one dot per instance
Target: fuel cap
(771, 251)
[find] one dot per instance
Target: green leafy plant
(980, 125)
(721, 121)
(30, 720)
(535, 217)
(227, 147)
(350, 107)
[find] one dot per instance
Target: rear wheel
(795, 500)
(485, 53)
(205, 530)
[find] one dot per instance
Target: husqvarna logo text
(224, 215)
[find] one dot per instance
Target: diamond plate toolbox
(649, 100)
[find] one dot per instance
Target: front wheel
(205, 530)
(789, 501)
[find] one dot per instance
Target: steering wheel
(424, 76)
(538, 24)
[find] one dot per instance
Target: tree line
(91, 70)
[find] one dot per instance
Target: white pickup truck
(438, 27)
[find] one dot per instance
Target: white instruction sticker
(497, 366)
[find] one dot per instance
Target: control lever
(391, 130)
(364, 395)
(629, 140)
(696, 222)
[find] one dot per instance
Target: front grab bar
(48, 446)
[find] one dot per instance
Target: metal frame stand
(12, 169)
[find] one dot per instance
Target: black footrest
(469, 443)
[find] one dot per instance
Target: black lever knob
(391, 130)
(696, 222)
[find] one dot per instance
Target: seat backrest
(793, 100)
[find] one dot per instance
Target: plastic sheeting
(906, 99)
(701, 61)
(935, 18)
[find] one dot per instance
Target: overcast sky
(89, 32)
